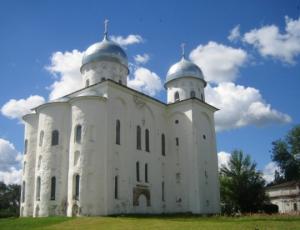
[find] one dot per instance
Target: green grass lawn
(147, 223)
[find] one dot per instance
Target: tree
(283, 153)
(9, 199)
(242, 186)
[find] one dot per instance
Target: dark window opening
(176, 96)
(163, 145)
(77, 181)
(177, 141)
(53, 188)
(78, 131)
(146, 173)
(138, 138)
(38, 188)
(118, 132)
(137, 171)
(55, 137)
(116, 187)
(147, 142)
(25, 146)
(41, 138)
(193, 94)
(23, 192)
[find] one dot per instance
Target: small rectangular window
(116, 187)
(177, 141)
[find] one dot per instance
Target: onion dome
(184, 68)
(105, 50)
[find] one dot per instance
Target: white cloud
(269, 171)
(129, 40)
(270, 42)
(240, 106)
(65, 67)
(218, 62)
(13, 176)
(10, 160)
(223, 159)
(234, 34)
(145, 81)
(15, 109)
(141, 59)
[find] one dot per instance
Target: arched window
(87, 83)
(146, 173)
(163, 191)
(163, 145)
(193, 94)
(176, 96)
(38, 188)
(25, 146)
(138, 137)
(118, 132)
(55, 137)
(137, 171)
(53, 187)
(23, 191)
(116, 187)
(78, 129)
(77, 181)
(147, 143)
(41, 138)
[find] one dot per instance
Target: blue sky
(32, 32)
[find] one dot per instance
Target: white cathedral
(107, 149)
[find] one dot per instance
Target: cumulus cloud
(234, 34)
(223, 159)
(129, 40)
(269, 171)
(241, 106)
(65, 67)
(141, 58)
(10, 160)
(270, 42)
(15, 109)
(145, 81)
(218, 62)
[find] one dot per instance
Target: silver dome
(105, 50)
(184, 68)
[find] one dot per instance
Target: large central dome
(105, 50)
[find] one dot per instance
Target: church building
(107, 149)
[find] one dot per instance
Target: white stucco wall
(98, 159)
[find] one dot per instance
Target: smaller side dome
(184, 68)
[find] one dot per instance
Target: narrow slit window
(116, 187)
(147, 141)
(25, 146)
(38, 188)
(138, 137)
(77, 181)
(78, 133)
(163, 145)
(53, 188)
(118, 132)
(41, 138)
(137, 171)
(146, 173)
